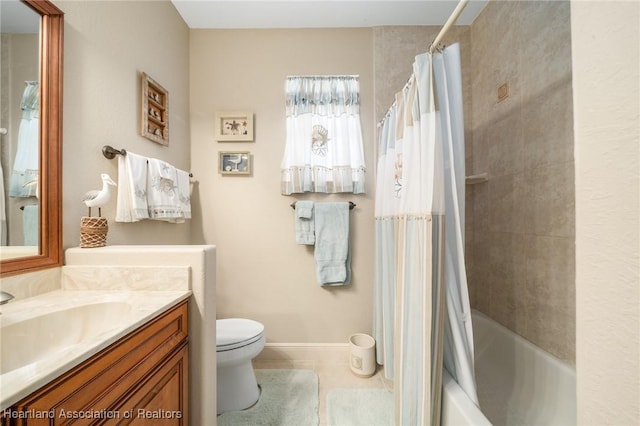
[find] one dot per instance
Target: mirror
(38, 99)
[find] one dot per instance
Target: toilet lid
(233, 332)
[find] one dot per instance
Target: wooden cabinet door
(162, 399)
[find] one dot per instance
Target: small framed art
(234, 162)
(234, 126)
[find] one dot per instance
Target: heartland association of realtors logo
(61, 413)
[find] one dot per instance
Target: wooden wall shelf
(154, 111)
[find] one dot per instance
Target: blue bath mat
(288, 398)
(357, 407)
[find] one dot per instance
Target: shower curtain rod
(452, 19)
(434, 46)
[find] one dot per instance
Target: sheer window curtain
(324, 150)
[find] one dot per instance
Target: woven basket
(93, 231)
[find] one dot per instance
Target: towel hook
(110, 152)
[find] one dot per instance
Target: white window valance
(324, 150)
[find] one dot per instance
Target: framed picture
(234, 162)
(155, 111)
(234, 126)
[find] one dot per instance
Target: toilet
(238, 341)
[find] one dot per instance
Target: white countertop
(144, 306)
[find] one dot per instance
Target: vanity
(110, 343)
(124, 328)
(140, 378)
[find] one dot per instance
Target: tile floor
(331, 375)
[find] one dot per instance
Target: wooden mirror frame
(50, 177)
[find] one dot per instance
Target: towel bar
(110, 152)
(351, 205)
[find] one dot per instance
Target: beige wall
(107, 44)
(606, 84)
(262, 273)
(520, 235)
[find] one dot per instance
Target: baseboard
(331, 352)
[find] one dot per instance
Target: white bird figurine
(95, 198)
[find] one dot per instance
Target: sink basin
(31, 340)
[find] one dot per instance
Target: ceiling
(16, 17)
(321, 14)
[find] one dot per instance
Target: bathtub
(518, 383)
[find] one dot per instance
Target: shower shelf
(479, 178)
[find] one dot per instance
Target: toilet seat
(234, 333)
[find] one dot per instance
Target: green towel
(305, 229)
(332, 251)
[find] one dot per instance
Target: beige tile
(552, 200)
(550, 295)
(468, 214)
(284, 364)
(480, 161)
(521, 261)
(506, 145)
(548, 127)
(506, 209)
(480, 277)
(481, 207)
(546, 46)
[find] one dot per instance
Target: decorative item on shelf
(234, 126)
(234, 163)
(155, 111)
(93, 230)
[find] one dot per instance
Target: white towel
(161, 190)
(183, 195)
(168, 192)
(332, 251)
(159, 169)
(132, 188)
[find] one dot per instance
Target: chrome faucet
(5, 297)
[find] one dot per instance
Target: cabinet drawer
(92, 388)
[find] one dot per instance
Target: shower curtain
(24, 175)
(421, 304)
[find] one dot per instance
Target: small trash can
(363, 354)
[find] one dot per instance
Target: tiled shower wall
(394, 50)
(521, 222)
(520, 249)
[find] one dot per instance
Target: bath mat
(358, 407)
(288, 398)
